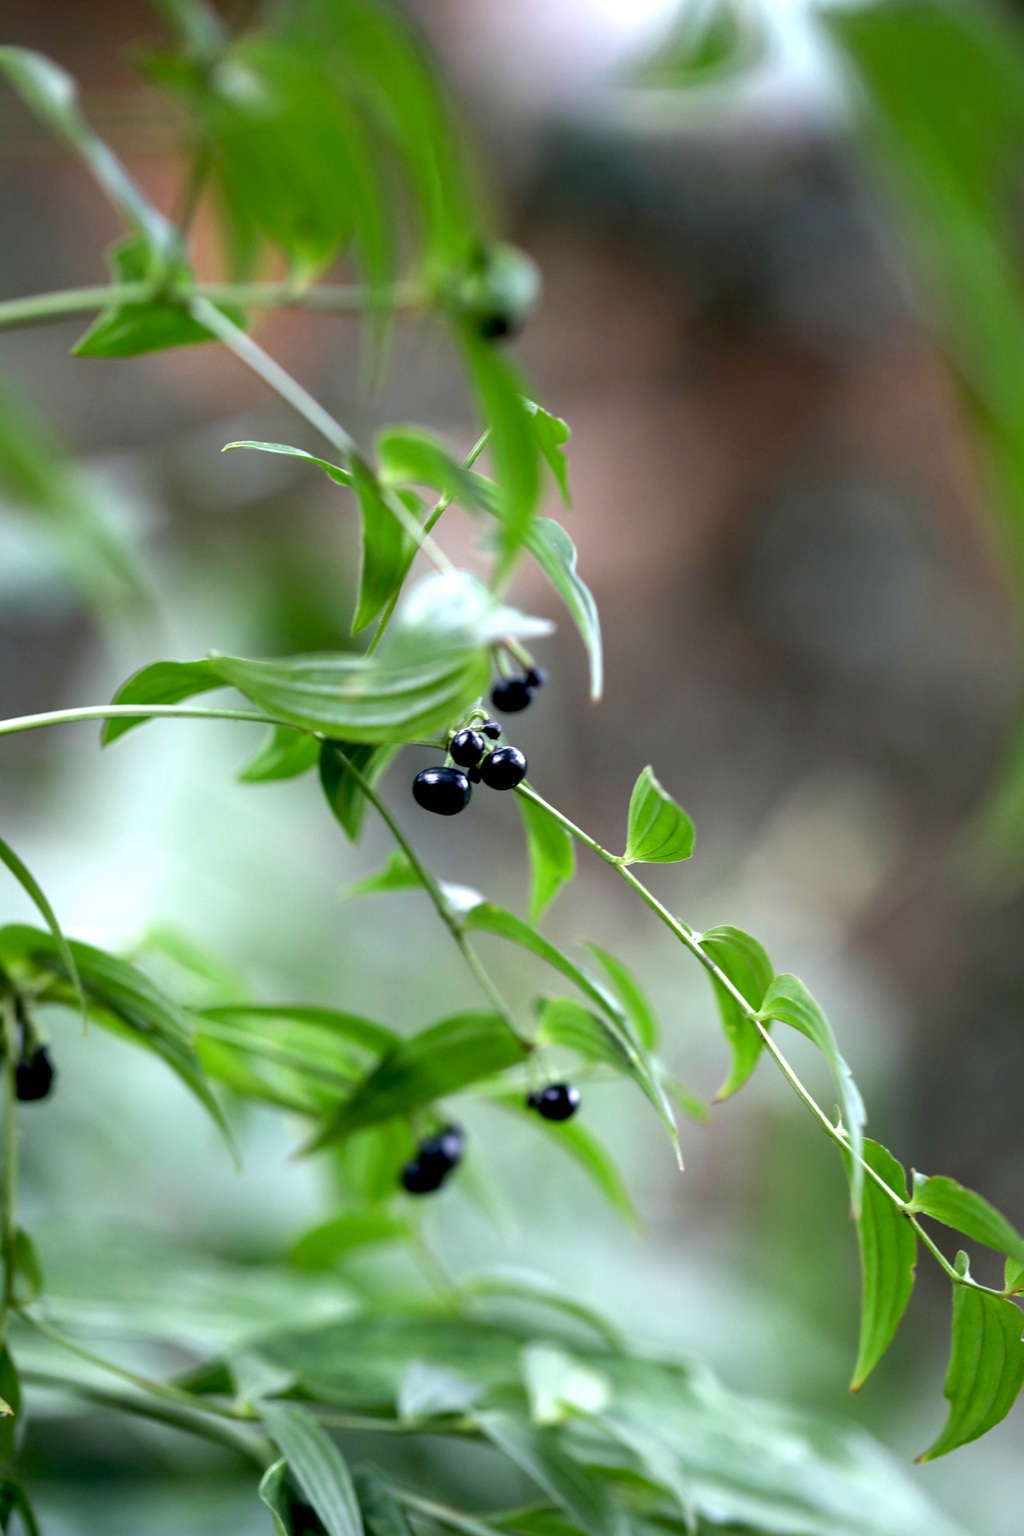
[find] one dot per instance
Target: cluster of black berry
(446, 791)
(434, 1161)
(34, 1074)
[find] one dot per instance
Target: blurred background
(785, 503)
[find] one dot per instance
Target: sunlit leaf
(333, 471)
(888, 1255)
(552, 435)
(660, 832)
(163, 682)
(949, 1202)
(558, 1385)
(316, 1465)
(552, 856)
(986, 1367)
(748, 967)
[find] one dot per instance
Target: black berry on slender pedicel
(466, 748)
(536, 677)
(558, 1101)
(491, 728)
(445, 791)
(504, 769)
(511, 694)
(34, 1075)
(434, 1161)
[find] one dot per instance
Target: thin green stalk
(692, 943)
(41, 307)
(442, 1514)
(437, 511)
(193, 1422)
(9, 1176)
(434, 891)
(131, 711)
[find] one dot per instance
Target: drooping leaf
(331, 1021)
(888, 1256)
(552, 856)
(323, 1245)
(15, 1500)
(273, 1492)
(333, 471)
(387, 548)
(344, 795)
(949, 1202)
(788, 1000)
(748, 967)
(567, 1023)
(316, 1465)
(437, 1061)
(631, 994)
(31, 886)
(540, 1453)
(285, 754)
(513, 446)
(555, 553)
(408, 455)
(986, 1367)
(397, 874)
(163, 682)
(587, 1152)
(660, 832)
(552, 434)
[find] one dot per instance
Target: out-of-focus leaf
(285, 754)
(273, 1491)
(552, 435)
(430, 1391)
(748, 967)
(555, 553)
(707, 41)
(1013, 1276)
(34, 890)
(128, 330)
(383, 1515)
(28, 1272)
(316, 1465)
(559, 1386)
(790, 1001)
(387, 548)
(453, 609)
(514, 1283)
(587, 1152)
(14, 1500)
(343, 794)
(552, 856)
(949, 1202)
(565, 1022)
(408, 455)
(323, 1245)
(163, 682)
(331, 1021)
(10, 1397)
(631, 994)
(540, 1453)
(437, 1061)
(986, 1367)
(196, 23)
(53, 95)
(397, 874)
(888, 1256)
(513, 447)
(660, 832)
(488, 918)
(332, 471)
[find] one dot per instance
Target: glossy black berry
(536, 677)
(473, 775)
(421, 1181)
(504, 769)
(443, 1152)
(511, 694)
(445, 791)
(466, 748)
(492, 729)
(558, 1101)
(34, 1075)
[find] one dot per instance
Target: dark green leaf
(986, 1367)
(396, 875)
(790, 1001)
(273, 1492)
(632, 996)
(316, 1465)
(552, 856)
(28, 1272)
(383, 1515)
(660, 832)
(333, 471)
(555, 553)
(128, 330)
(285, 754)
(949, 1202)
(541, 1455)
(28, 882)
(387, 548)
(323, 1245)
(332, 1021)
(552, 435)
(14, 1500)
(10, 1405)
(410, 456)
(437, 1061)
(513, 445)
(163, 682)
(344, 795)
(748, 967)
(888, 1256)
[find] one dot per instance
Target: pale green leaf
(631, 994)
(285, 754)
(986, 1367)
(660, 832)
(552, 856)
(555, 553)
(888, 1255)
(949, 1202)
(397, 874)
(333, 471)
(317, 1466)
(748, 967)
(34, 890)
(541, 1455)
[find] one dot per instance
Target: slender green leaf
(631, 994)
(513, 1283)
(888, 1256)
(555, 553)
(344, 796)
(408, 455)
(748, 967)
(28, 1272)
(10, 1398)
(332, 1021)
(14, 1500)
(316, 1465)
(540, 1453)
(552, 856)
(586, 1151)
(285, 754)
(552, 434)
(986, 1367)
(949, 1202)
(323, 1245)
(437, 1061)
(397, 874)
(513, 445)
(565, 1022)
(273, 1491)
(383, 1515)
(333, 471)
(790, 1001)
(128, 330)
(163, 682)
(660, 832)
(387, 548)
(31, 886)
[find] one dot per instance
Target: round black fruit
(536, 677)
(34, 1075)
(491, 728)
(558, 1101)
(443, 1152)
(511, 694)
(445, 791)
(419, 1180)
(467, 748)
(504, 769)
